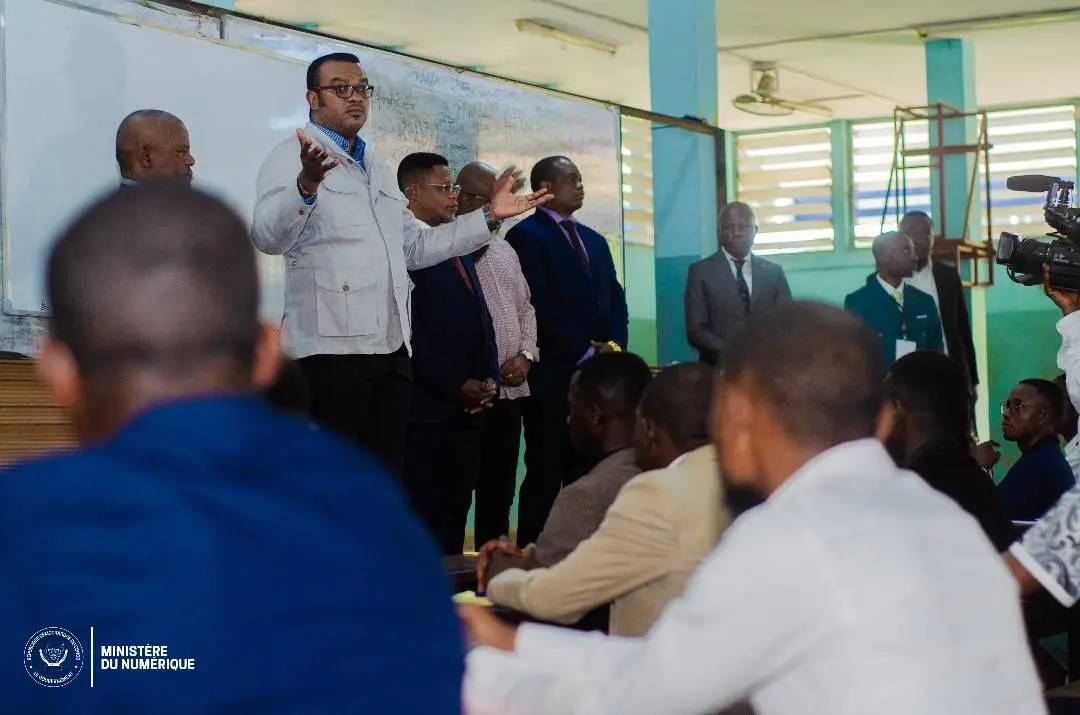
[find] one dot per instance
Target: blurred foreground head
(154, 295)
(799, 380)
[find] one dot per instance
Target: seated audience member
(196, 516)
(455, 365)
(604, 393)
(931, 415)
(904, 318)
(153, 145)
(1067, 426)
(653, 537)
(1029, 417)
(855, 588)
(1048, 554)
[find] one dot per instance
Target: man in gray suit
(724, 291)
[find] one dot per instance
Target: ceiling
(867, 49)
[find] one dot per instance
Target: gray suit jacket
(714, 313)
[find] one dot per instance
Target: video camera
(1024, 258)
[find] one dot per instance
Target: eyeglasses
(443, 188)
(1014, 406)
(345, 91)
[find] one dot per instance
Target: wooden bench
(30, 423)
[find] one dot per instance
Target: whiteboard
(72, 74)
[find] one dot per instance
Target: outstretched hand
(315, 162)
(504, 203)
(483, 628)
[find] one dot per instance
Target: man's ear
(57, 367)
(145, 156)
(312, 99)
(268, 357)
(889, 417)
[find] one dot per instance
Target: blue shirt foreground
(1036, 481)
(280, 559)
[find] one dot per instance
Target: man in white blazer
(332, 208)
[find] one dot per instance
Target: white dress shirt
(896, 293)
(856, 588)
(1068, 361)
(747, 269)
(924, 281)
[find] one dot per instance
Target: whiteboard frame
(222, 17)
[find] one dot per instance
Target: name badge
(904, 347)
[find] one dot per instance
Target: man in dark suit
(455, 365)
(580, 311)
(724, 291)
(929, 433)
(942, 282)
(904, 318)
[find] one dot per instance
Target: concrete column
(950, 79)
(682, 78)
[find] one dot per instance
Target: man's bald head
(477, 181)
(152, 144)
(894, 254)
(159, 279)
(737, 228)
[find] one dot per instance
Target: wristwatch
(493, 223)
(615, 347)
(527, 355)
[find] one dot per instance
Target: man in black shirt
(930, 403)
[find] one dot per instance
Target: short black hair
(160, 276)
(413, 165)
(318, 62)
(678, 400)
(933, 384)
(614, 382)
(544, 170)
(1050, 394)
(818, 367)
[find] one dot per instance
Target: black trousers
(497, 478)
(549, 460)
(441, 463)
(366, 398)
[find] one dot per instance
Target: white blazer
(347, 256)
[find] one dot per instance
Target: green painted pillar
(950, 79)
(223, 4)
(682, 79)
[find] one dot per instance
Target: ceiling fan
(763, 98)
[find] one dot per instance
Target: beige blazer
(652, 538)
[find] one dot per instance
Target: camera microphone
(1036, 183)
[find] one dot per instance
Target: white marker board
(71, 74)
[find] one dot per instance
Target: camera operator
(1068, 357)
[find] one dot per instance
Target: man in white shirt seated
(855, 588)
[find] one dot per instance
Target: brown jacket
(580, 507)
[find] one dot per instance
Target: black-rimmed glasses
(345, 91)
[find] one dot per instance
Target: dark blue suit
(573, 307)
(280, 558)
(917, 322)
(453, 341)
